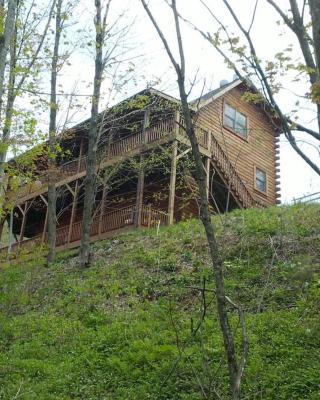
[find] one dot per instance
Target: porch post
(208, 163)
(176, 124)
(146, 123)
(45, 220)
(173, 176)
(149, 215)
(45, 227)
(207, 169)
(73, 210)
(139, 197)
(23, 224)
(10, 235)
(80, 155)
(103, 202)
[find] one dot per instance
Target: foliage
(126, 328)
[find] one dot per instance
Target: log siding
(257, 149)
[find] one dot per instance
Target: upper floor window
(235, 120)
(261, 180)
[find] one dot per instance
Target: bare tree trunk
(216, 259)
(52, 134)
(5, 40)
(13, 87)
(235, 371)
(10, 100)
(314, 6)
(93, 138)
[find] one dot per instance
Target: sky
(152, 67)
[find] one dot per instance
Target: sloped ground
(129, 327)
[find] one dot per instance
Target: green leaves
(115, 330)
(315, 92)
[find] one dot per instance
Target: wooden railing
(121, 147)
(106, 152)
(233, 179)
(152, 134)
(109, 222)
(117, 219)
(201, 134)
(151, 217)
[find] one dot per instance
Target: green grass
(125, 327)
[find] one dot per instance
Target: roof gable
(214, 94)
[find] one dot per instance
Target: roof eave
(198, 103)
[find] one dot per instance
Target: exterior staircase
(228, 171)
(224, 166)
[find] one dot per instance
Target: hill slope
(128, 326)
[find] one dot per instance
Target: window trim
(255, 168)
(229, 128)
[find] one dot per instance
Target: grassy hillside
(128, 326)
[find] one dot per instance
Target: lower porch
(150, 190)
(102, 227)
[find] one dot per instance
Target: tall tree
(235, 368)
(241, 53)
(30, 28)
(52, 136)
(7, 24)
(100, 28)
(110, 52)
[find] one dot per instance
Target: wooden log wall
(258, 150)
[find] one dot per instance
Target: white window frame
(256, 169)
(243, 135)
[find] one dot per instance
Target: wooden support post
(10, 235)
(23, 224)
(44, 199)
(103, 202)
(73, 210)
(139, 197)
(44, 231)
(176, 124)
(173, 176)
(209, 140)
(149, 215)
(80, 155)
(45, 227)
(208, 163)
(207, 168)
(146, 124)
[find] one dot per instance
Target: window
(261, 180)
(235, 120)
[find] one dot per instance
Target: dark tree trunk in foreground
(235, 369)
(5, 39)
(17, 76)
(6, 34)
(314, 6)
(93, 138)
(52, 225)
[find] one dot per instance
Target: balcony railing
(121, 147)
(111, 221)
(106, 152)
(201, 134)
(151, 135)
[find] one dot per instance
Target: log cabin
(144, 166)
